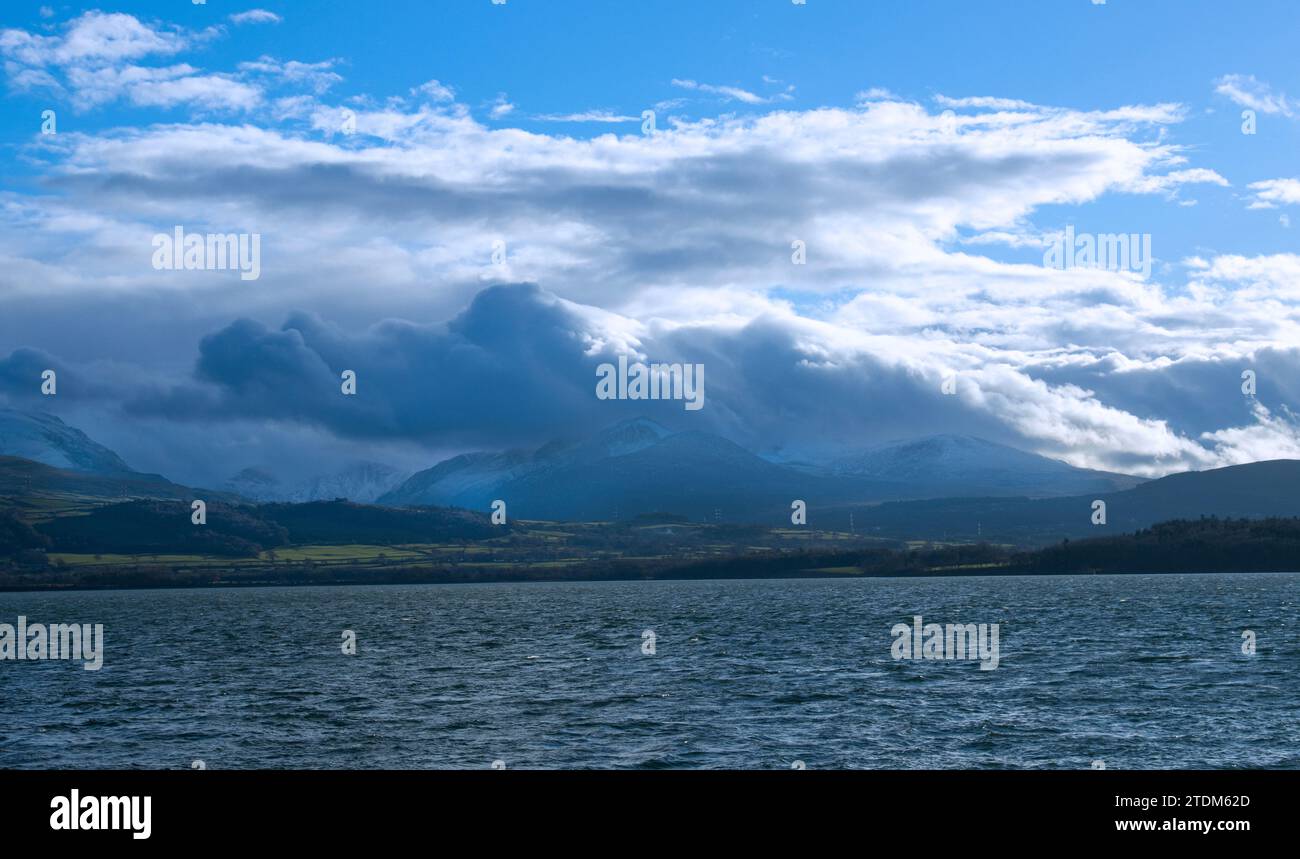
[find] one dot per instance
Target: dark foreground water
(1135, 671)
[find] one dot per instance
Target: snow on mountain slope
(362, 482)
(964, 465)
(44, 438)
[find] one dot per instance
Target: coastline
(54, 586)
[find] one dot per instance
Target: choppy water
(1138, 671)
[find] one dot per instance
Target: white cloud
(875, 94)
(501, 107)
(684, 238)
(255, 16)
(605, 116)
(1272, 193)
(319, 77)
(111, 37)
(97, 58)
(216, 92)
(1169, 182)
(1269, 437)
(1249, 92)
(161, 87)
(435, 90)
(1011, 238)
(26, 79)
(730, 93)
(670, 103)
(985, 103)
(1234, 279)
(879, 216)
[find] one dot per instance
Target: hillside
(164, 527)
(44, 438)
(37, 487)
(638, 467)
(1254, 490)
(958, 465)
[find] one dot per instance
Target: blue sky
(822, 122)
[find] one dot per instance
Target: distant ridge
(44, 438)
(638, 466)
(947, 465)
(22, 479)
(361, 481)
(1252, 491)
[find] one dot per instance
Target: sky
(842, 210)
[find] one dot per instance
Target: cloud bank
(830, 266)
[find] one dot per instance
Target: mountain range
(361, 481)
(1248, 491)
(43, 438)
(943, 466)
(946, 486)
(638, 467)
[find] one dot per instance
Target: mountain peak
(640, 424)
(638, 466)
(631, 435)
(360, 481)
(254, 476)
(43, 437)
(955, 464)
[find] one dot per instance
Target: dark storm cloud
(518, 367)
(511, 368)
(22, 376)
(1195, 395)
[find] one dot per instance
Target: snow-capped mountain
(465, 480)
(44, 438)
(474, 479)
(628, 469)
(255, 484)
(952, 465)
(638, 467)
(362, 482)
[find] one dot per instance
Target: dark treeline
(17, 537)
(165, 527)
(1181, 546)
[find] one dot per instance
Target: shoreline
(56, 587)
